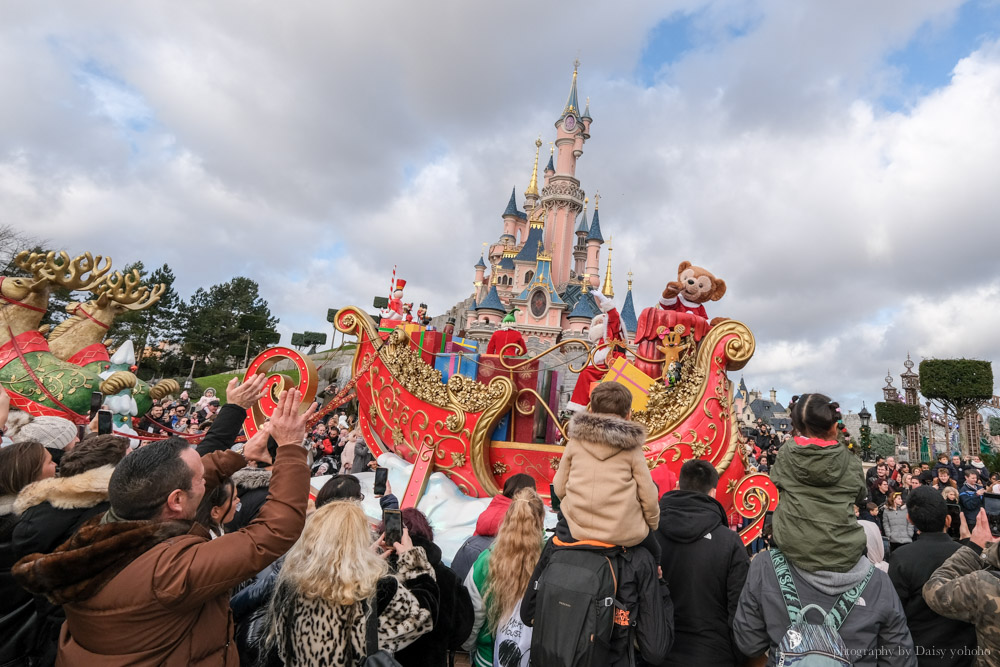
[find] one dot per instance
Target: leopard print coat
(317, 633)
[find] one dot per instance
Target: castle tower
(580, 249)
(531, 194)
(911, 385)
(514, 221)
(608, 290)
(629, 322)
(550, 168)
(594, 243)
(562, 196)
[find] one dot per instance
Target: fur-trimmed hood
(81, 491)
(252, 478)
(78, 569)
(604, 435)
(7, 505)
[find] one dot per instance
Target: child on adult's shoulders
(603, 483)
(819, 480)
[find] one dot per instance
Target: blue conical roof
(512, 204)
(586, 112)
(492, 301)
(551, 166)
(585, 307)
(629, 320)
(480, 264)
(572, 104)
(529, 252)
(595, 228)
(584, 226)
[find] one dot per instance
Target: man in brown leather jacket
(144, 585)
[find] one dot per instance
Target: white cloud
(314, 147)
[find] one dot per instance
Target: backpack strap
(787, 585)
(371, 633)
(845, 603)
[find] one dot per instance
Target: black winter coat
(252, 487)
(454, 618)
(17, 608)
(705, 565)
(910, 566)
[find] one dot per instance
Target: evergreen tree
(154, 325)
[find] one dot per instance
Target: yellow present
(637, 382)
(413, 330)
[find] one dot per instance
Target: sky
(834, 162)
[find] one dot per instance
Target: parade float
(58, 374)
(465, 428)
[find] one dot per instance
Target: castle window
(528, 276)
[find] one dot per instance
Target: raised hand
(256, 447)
(672, 289)
(288, 427)
(247, 394)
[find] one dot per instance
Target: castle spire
(572, 104)
(608, 290)
(532, 190)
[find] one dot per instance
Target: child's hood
(604, 435)
(816, 466)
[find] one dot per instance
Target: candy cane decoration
(392, 285)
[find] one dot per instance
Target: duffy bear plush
(693, 287)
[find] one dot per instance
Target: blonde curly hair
(515, 554)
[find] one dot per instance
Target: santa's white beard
(596, 333)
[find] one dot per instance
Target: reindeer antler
(128, 292)
(31, 262)
(72, 274)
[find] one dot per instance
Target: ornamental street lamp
(866, 432)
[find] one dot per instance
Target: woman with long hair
(330, 580)
(500, 575)
(20, 464)
(895, 525)
(217, 507)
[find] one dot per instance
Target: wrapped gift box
(637, 382)
(523, 378)
(426, 343)
(457, 344)
(457, 364)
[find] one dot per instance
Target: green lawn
(220, 380)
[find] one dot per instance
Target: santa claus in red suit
(393, 313)
(605, 330)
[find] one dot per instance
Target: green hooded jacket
(814, 522)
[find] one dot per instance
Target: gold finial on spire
(552, 148)
(608, 290)
(597, 199)
(629, 278)
(532, 190)
(493, 274)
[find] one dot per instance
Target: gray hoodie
(875, 632)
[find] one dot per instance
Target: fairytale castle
(548, 255)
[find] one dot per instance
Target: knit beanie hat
(54, 432)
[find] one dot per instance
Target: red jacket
(489, 521)
(504, 337)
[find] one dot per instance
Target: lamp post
(866, 432)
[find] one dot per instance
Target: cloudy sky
(834, 162)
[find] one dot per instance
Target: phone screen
(96, 401)
(393, 520)
(991, 503)
(381, 477)
(104, 422)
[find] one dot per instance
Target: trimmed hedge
(958, 381)
(897, 414)
(994, 426)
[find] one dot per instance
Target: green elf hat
(509, 317)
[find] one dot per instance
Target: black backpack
(576, 609)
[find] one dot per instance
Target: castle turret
(608, 290)
(513, 219)
(562, 196)
(550, 168)
(531, 194)
(629, 322)
(594, 243)
(580, 249)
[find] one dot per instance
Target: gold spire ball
(608, 290)
(532, 190)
